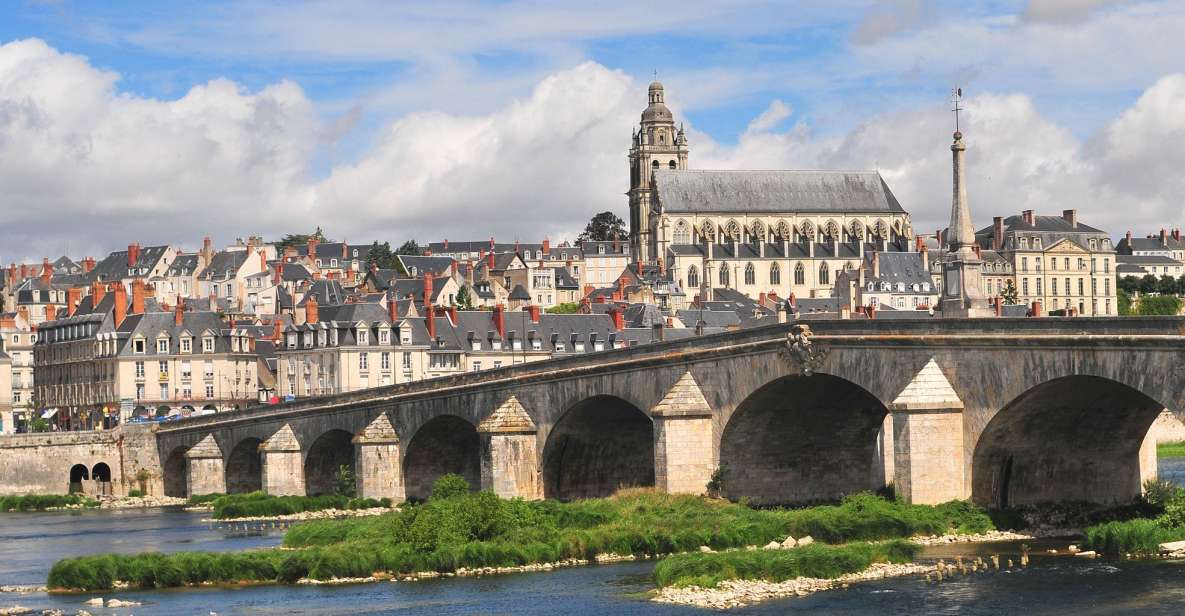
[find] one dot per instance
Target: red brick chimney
(24, 271)
(51, 312)
(446, 243)
(97, 292)
(925, 258)
(546, 248)
(499, 318)
(453, 267)
(618, 316)
(179, 312)
(662, 267)
(138, 296)
(451, 311)
(588, 290)
(277, 330)
(616, 242)
(73, 296)
(1164, 237)
(88, 265)
(1129, 239)
(533, 312)
(428, 289)
(1071, 216)
(133, 254)
(120, 295)
(430, 322)
(490, 261)
(311, 314)
(1027, 215)
(998, 232)
(392, 307)
(313, 248)
(278, 274)
(46, 270)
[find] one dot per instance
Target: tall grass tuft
(41, 502)
(816, 560)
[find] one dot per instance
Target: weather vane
(956, 97)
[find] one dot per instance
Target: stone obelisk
(962, 293)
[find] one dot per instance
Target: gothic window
(707, 231)
(654, 164)
(856, 230)
(757, 231)
(673, 165)
(724, 275)
(775, 274)
(750, 274)
(732, 230)
(882, 229)
(693, 277)
(682, 233)
(807, 230)
(824, 274)
(783, 230)
(831, 231)
(799, 274)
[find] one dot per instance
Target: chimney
(453, 267)
(46, 270)
(876, 265)
(278, 276)
(179, 312)
(73, 297)
(392, 307)
(533, 312)
(312, 248)
(1164, 237)
(491, 243)
(546, 248)
(490, 260)
(978, 251)
(1036, 309)
(207, 250)
(446, 243)
(24, 271)
(97, 293)
(618, 318)
(662, 267)
(311, 312)
(620, 294)
(517, 250)
(262, 261)
(499, 317)
(616, 243)
(120, 297)
(451, 311)
(998, 232)
(138, 296)
(1027, 215)
(12, 275)
(1071, 217)
(428, 289)
(88, 264)
(430, 322)
(51, 312)
(925, 258)
(871, 311)
(133, 254)
(1177, 234)
(588, 290)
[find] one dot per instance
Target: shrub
(817, 561)
(448, 486)
(1132, 536)
(133, 493)
(41, 502)
(1158, 492)
(716, 482)
(258, 504)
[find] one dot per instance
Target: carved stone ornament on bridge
(802, 352)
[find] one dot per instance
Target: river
(31, 543)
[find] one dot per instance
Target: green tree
(1181, 285)
(567, 308)
(298, 239)
(1148, 284)
(1167, 285)
(464, 299)
(1129, 283)
(410, 248)
(603, 227)
(344, 483)
(1159, 305)
(1009, 294)
(1125, 302)
(380, 256)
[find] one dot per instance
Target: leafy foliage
(1124, 301)
(258, 504)
(410, 247)
(1009, 295)
(297, 239)
(603, 227)
(41, 502)
(565, 308)
(380, 256)
(1159, 305)
(448, 486)
(815, 560)
(1170, 450)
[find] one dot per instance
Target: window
(1024, 264)
(775, 274)
(209, 369)
(824, 274)
(384, 336)
(1107, 286)
(1038, 286)
(139, 369)
(799, 274)
(138, 346)
(406, 361)
(1053, 286)
(139, 391)
(364, 361)
(164, 391)
(673, 165)
(1053, 263)
(1024, 285)
(208, 344)
(1080, 287)
(682, 233)
(163, 368)
(209, 391)
(1067, 262)
(1067, 286)
(497, 364)
(693, 277)
(363, 336)
(186, 344)
(1106, 266)
(654, 164)
(385, 360)
(186, 370)
(724, 275)
(750, 274)
(475, 366)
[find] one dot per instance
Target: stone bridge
(1002, 411)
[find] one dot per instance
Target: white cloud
(1063, 11)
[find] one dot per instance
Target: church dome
(657, 112)
(654, 85)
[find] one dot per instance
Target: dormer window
(162, 346)
(321, 337)
(333, 263)
(208, 344)
(292, 340)
(600, 250)
(138, 346)
(186, 344)
(536, 344)
(384, 336)
(333, 337)
(355, 253)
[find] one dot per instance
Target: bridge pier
(683, 448)
(928, 439)
(510, 453)
(283, 470)
(204, 469)
(378, 461)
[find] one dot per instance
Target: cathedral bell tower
(657, 144)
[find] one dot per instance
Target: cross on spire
(656, 74)
(956, 96)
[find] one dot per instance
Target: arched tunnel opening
(101, 472)
(599, 446)
(176, 481)
(446, 444)
(78, 474)
(1072, 439)
(327, 456)
(803, 439)
(244, 467)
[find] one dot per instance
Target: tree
(1009, 294)
(464, 299)
(344, 483)
(380, 256)
(566, 308)
(1131, 284)
(297, 239)
(1148, 284)
(1167, 285)
(603, 227)
(1181, 285)
(1160, 305)
(1125, 301)
(411, 248)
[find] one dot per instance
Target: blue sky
(841, 82)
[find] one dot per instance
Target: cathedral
(773, 232)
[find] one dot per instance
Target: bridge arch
(597, 446)
(444, 444)
(328, 453)
(244, 467)
(174, 473)
(1072, 438)
(801, 439)
(101, 472)
(78, 474)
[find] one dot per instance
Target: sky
(161, 123)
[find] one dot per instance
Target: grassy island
(1171, 450)
(458, 529)
(258, 504)
(814, 561)
(41, 502)
(1164, 522)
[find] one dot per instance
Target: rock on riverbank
(324, 514)
(739, 593)
(991, 535)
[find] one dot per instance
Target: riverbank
(1170, 450)
(46, 502)
(459, 530)
(304, 516)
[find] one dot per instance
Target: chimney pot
(311, 310)
(499, 317)
(1071, 216)
(138, 295)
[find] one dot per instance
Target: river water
(31, 543)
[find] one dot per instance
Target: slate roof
(327, 292)
(1148, 244)
(115, 265)
(682, 190)
(417, 265)
(519, 293)
(224, 265)
(183, 265)
(899, 267)
(1141, 260)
